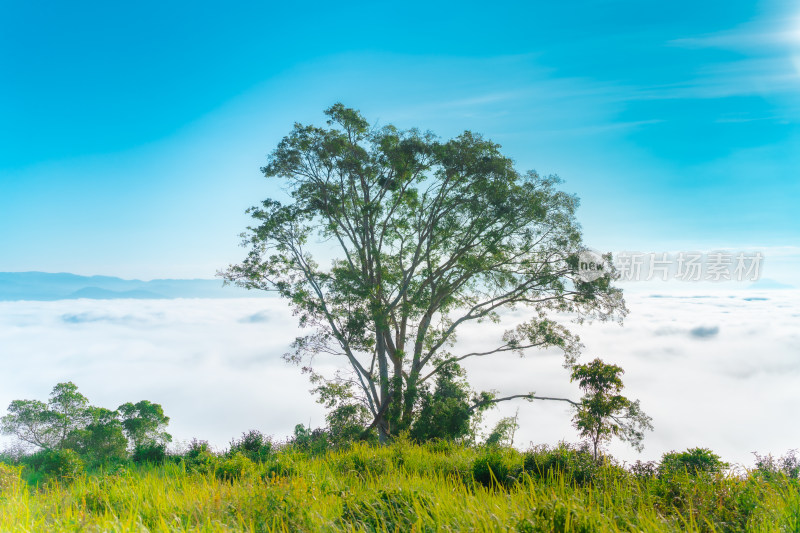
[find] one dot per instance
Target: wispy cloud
(771, 33)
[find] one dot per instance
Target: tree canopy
(603, 412)
(68, 421)
(426, 236)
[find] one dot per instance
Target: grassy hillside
(403, 487)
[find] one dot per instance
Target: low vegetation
(306, 484)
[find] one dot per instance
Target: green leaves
(31, 422)
(603, 412)
(144, 423)
(423, 236)
(67, 421)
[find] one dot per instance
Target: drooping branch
(529, 397)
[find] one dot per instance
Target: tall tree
(603, 412)
(427, 237)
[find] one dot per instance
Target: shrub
(575, 463)
(694, 461)
(644, 470)
(362, 461)
(63, 464)
(254, 445)
(441, 446)
(770, 468)
(313, 442)
(199, 458)
(9, 477)
(346, 423)
(279, 466)
(444, 413)
(235, 467)
(150, 453)
(102, 441)
(492, 468)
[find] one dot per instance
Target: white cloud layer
(713, 369)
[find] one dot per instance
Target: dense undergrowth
(255, 486)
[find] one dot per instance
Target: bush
(362, 461)
(313, 442)
(574, 463)
(63, 464)
(254, 445)
(644, 470)
(150, 453)
(492, 468)
(100, 443)
(279, 466)
(441, 446)
(9, 477)
(770, 468)
(694, 461)
(235, 467)
(199, 458)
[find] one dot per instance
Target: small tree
(67, 421)
(503, 432)
(70, 409)
(603, 412)
(694, 462)
(145, 422)
(47, 425)
(102, 440)
(31, 422)
(444, 413)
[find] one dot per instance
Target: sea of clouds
(715, 369)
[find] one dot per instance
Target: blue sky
(132, 134)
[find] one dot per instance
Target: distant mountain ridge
(45, 286)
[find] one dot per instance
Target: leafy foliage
(64, 464)
(444, 413)
(155, 453)
(235, 466)
(603, 412)
(144, 423)
(694, 461)
(503, 432)
(47, 425)
(494, 468)
(575, 464)
(254, 445)
(102, 440)
(771, 467)
(97, 435)
(430, 236)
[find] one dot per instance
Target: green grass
(402, 488)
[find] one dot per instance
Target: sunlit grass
(397, 488)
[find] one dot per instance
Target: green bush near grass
(694, 461)
(62, 465)
(574, 463)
